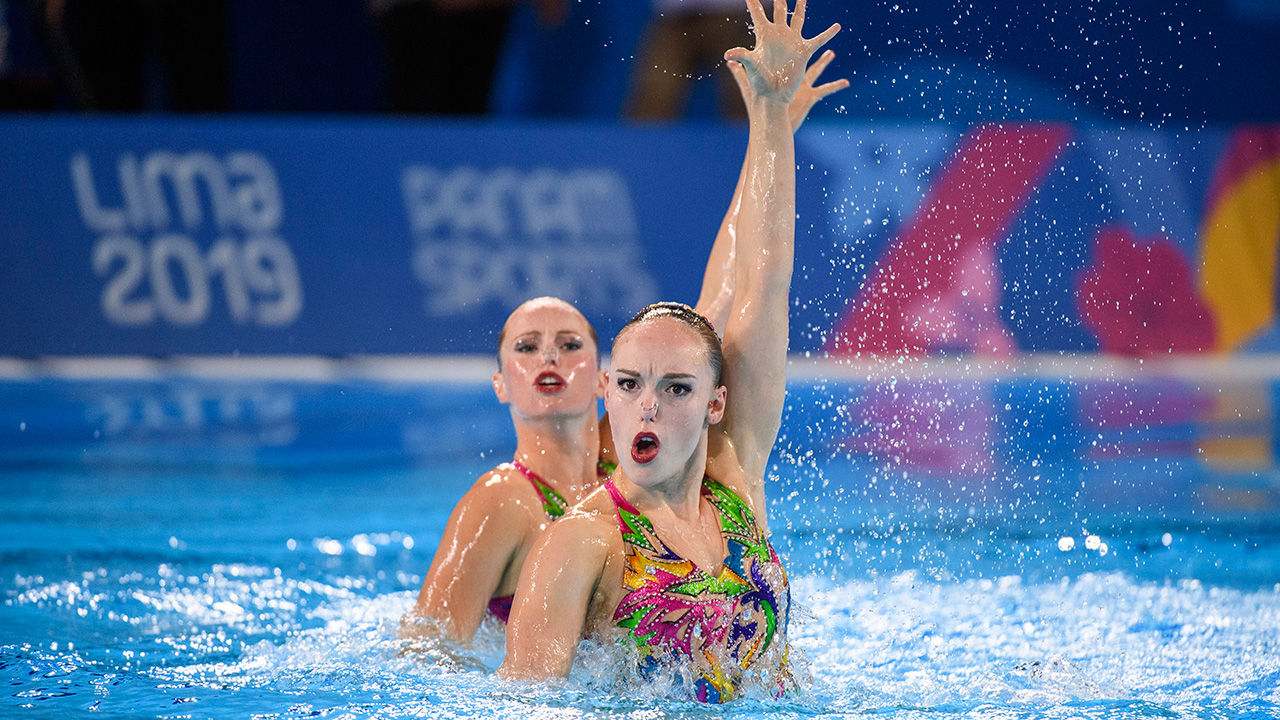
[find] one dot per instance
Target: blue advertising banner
(327, 237)
(160, 236)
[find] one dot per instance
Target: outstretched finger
(797, 17)
(824, 90)
(757, 14)
(739, 56)
(780, 12)
(818, 67)
(740, 76)
(825, 37)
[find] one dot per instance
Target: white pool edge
(480, 368)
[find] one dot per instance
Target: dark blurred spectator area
(1142, 61)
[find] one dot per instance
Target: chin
(550, 408)
(649, 474)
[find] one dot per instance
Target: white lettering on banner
(254, 415)
(503, 236)
(148, 252)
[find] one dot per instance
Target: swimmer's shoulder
(504, 491)
(592, 520)
(724, 468)
(598, 506)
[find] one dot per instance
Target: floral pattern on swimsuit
(675, 610)
(554, 505)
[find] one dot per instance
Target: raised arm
(755, 339)
(718, 279)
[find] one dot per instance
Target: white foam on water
(908, 641)
(906, 646)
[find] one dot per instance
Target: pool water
(960, 545)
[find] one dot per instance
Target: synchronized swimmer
(667, 542)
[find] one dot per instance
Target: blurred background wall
(1149, 61)
(349, 177)
(339, 178)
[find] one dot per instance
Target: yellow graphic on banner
(1238, 245)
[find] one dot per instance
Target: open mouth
(644, 448)
(549, 382)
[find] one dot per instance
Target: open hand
(807, 95)
(775, 68)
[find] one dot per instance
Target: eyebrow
(668, 376)
(533, 333)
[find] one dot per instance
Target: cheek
(518, 375)
(695, 414)
(617, 417)
(583, 367)
(511, 365)
(618, 404)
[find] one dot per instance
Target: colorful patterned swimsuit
(554, 505)
(675, 610)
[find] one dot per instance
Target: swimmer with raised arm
(549, 376)
(673, 553)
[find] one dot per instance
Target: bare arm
(755, 340)
(718, 279)
(550, 611)
(481, 538)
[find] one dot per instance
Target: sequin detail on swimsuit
(674, 609)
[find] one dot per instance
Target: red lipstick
(644, 448)
(549, 382)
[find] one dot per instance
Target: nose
(551, 355)
(649, 407)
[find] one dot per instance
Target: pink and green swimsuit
(674, 610)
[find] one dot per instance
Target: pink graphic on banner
(964, 317)
(938, 285)
(1140, 298)
(931, 426)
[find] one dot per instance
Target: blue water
(997, 547)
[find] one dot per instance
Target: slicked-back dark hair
(694, 320)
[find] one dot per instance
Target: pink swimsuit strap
(553, 503)
(620, 503)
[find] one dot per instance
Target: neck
(561, 450)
